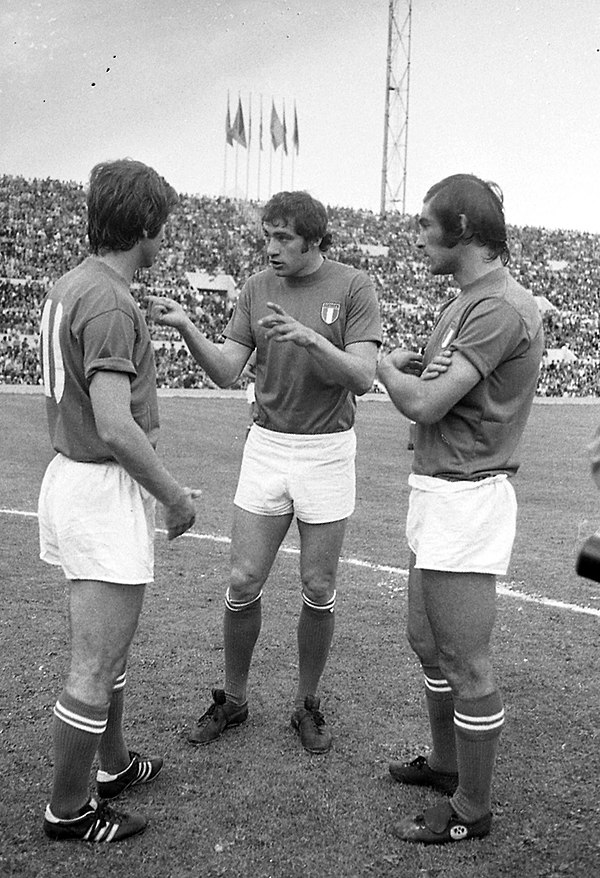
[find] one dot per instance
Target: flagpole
(292, 178)
(283, 146)
(248, 147)
(294, 145)
(227, 129)
(260, 137)
(235, 185)
(271, 151)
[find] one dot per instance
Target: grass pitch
(254, 803)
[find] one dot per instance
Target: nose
(420, 243)
(272, 247)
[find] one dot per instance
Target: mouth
(275, 264)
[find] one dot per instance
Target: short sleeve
(108, 343)
(363, 321)
(491, 334)
(239, 328)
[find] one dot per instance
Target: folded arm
(422, 400)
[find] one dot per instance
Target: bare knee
(469, 676)
(423, 646)
(319, 588)
(92, 682)
(244, 583)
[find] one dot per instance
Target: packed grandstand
(213, 244)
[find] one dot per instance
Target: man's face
(288, 253)
(442, 259)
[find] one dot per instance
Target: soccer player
(97, 499)
(462, 507)
(315, 326)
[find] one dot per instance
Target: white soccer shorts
(462, 527)
(96, 522)
(310, 475)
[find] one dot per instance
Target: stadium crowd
(42, 229)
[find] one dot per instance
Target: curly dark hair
(308, 216)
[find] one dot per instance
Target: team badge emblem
(458, 832)
(330, 311)
(448, 338)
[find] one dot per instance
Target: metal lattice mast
(395, 132)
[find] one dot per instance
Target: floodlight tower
(395, 132)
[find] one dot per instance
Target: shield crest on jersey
(330, 311)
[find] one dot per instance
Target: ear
(463, 222)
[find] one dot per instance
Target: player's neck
(474, 269)
(312, 265)
(123, 262)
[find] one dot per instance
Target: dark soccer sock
(241, 627)
(315, 633)
(112, 750)
(76, 731)
(478, 724)
(440, 706)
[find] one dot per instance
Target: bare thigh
(418, 628)
(461, 610)
(320, 548)
(255, 541)
(103, 618)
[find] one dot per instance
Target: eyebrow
(278, 233)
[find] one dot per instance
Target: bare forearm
(133, 451)
(404, 390)
(208, 355)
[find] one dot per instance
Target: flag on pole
(228, 134)
(277, 134)
(260, 127)
(238, 132)
(285, 149)
(249, 120)
(296, 136)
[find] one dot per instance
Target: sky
(506, 90)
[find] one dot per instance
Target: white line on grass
(508, 590)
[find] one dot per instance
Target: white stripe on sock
(479, 723)
(236, 606)
(328, 607)
(83, 723)
(437, 685)
(120, 682)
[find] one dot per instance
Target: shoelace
(105, 820)
(317, 716)
(218, 701)
(208, 713)
(107, 812)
